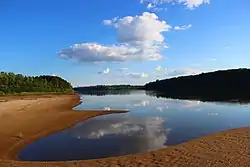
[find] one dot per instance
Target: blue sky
(92, 42)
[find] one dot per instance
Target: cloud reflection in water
(143, 133)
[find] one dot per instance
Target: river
(152, 123)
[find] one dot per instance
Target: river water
(152, 123)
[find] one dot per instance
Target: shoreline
(59, 111)
(22, 119)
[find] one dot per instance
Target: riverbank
(24, 119)
(28, 118)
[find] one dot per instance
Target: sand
(24, 119)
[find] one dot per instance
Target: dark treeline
(107, 87)
(222, 85)
(11, 83)
(106, 92)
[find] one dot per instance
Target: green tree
(11, 83)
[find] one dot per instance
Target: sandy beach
(24, 119)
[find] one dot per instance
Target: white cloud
(157, 9)
(154, 7)
(144, 75)
(123, 69)
(140, 30)
(139, 37)
(55, 74)
(193, 3)
(107, 22)
(137, 75)
(150, 6)
(158, 68)
(182, 72)
(158, 73)
(133, 75)
(123, 72)
(184, 27)
(156, 2)
(93, 52)
(212, 59)
(162, 73)
(106, 71)
(190, 4)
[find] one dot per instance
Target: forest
(107, 88)
(11, 83)
(233, 84)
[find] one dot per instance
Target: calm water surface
(152, 123)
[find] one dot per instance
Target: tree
(17, 83)
(218, 85)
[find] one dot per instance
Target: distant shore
(27, 118)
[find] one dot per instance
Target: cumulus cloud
(93, 52)
(184, 27)
(140, 38)
(140, 30)
(190, 4)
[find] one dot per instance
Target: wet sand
(24, 119)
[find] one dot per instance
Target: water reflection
(147, 133)
(101, 137)
(152, 123)
(106, 92)
(220, 101)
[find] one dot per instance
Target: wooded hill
(11, 83)
(218, 85)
